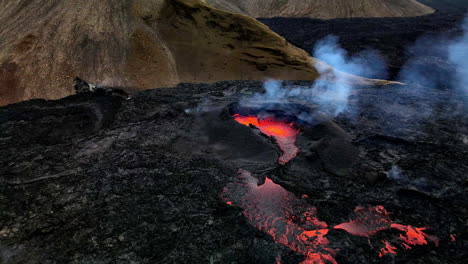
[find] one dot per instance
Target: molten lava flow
(388, 249)
(414, 236)
(292, 223)
(284, 133)
(289, 220)
(371, 220)
(368, 221)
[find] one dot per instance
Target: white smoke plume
(458, 55)
(437, 62)
(331, 96)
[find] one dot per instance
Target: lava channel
(371, 220)
(284, 133)
(287, 219)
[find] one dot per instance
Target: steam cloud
(437, 62)
(458, 55)
(331, 96)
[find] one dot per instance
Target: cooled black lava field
(99, 179)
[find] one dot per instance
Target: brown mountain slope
(209, 45)
(139, 44)
(324, 9)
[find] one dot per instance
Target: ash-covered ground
(100, 179)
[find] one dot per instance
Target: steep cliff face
(324, 9)
(138, 44)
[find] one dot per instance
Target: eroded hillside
(137, 44)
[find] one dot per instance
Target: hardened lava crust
(101, 179)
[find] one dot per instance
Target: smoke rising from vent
(437, 62)
(368, 63)
(458, 55)
(333, 96)
(332, 90)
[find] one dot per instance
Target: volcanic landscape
(363, 161)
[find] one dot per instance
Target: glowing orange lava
(371, 220)
(368, 221)
(414, 236)
(284, 133)
(293, 223)
(287, 219)
(388, 249)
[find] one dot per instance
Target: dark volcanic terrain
(99, 179)
(392, 37)
(447, 5)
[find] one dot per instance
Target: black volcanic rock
(447, 5)
(391, 37)
(99, 179)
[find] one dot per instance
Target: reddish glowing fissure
(371, 220)
(288, 220)
(387, 249)
(284, 133)
(292, 222)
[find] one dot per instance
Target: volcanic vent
(274, 119)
